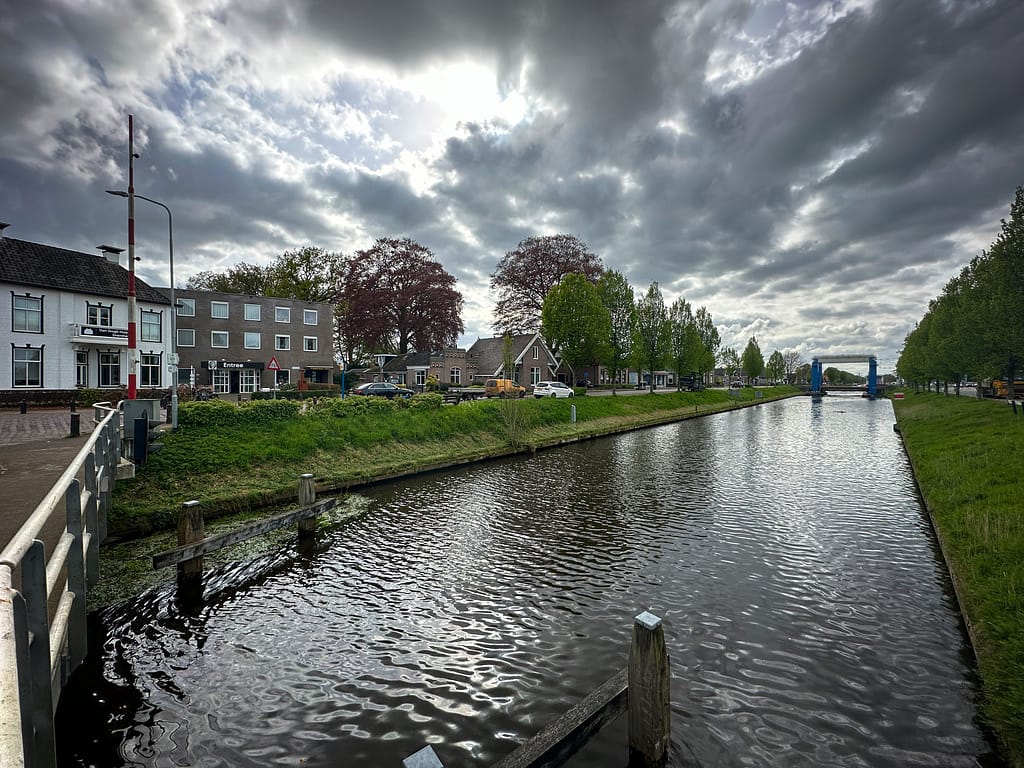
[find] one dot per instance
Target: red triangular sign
(273, 365)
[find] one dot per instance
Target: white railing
(42, 595)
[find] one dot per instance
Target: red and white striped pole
(132, 310)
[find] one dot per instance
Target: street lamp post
(174, 305)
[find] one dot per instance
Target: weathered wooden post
(648, 712)
(191, 529)
(307, 495)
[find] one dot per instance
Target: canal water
(809, 617)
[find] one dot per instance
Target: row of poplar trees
(975, 328)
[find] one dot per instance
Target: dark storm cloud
(800, 168)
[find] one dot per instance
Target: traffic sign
(273, 365)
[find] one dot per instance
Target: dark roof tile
(46, 266)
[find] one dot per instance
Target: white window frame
(306, 346)
(308, 313)
(282, 312)
(216, 305)
(213, 339)
(221, 381)
(81, 368)
(536, 352)
(26, 312)
(29, 382)
(257, 313)
(190, 335)
(151, 316)
(282, 347)
(534, 376)
(421, 377)
(149, 363)
(248, 338)
(455, 376)
(104, 315)
(248, 380)
(186, 307)
(114, 368)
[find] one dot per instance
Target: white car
(552, 389)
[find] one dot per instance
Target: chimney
(111, 253)
(3, 225)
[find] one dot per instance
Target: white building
(64, 321)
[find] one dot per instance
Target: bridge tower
(817, 374)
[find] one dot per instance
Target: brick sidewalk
(34, 452)
(40, 424)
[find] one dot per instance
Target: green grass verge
(235, 467)
(966, 455)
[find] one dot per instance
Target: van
(503, 388)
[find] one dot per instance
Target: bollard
(76, 424)
(648, 709)
(307, 495)
(74, 406)
(23, 406)
(191, 529)
(572, 414)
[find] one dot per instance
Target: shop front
(233, 377)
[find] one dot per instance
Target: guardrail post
(76, 574)
(307, 495)
(92, 552)
(191, 528)
(15, 736)
(33, 587)
(648, 712)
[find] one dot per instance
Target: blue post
(872, 376)
(816, 377)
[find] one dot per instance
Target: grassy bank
(966, 455)
(232, 464)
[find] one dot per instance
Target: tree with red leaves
(395, 298)
(526, 275)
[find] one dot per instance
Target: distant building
(64, 321)
(531, 359)
(228, 341)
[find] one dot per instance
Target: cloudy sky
(812, 172)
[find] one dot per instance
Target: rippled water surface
(808, 616)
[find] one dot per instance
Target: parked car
(551, 389)
(381, 389)
(503, 388)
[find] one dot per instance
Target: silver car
(552, 389)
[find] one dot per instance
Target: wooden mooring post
(641, 690)
(307, 496)
(191, 530)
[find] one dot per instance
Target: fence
(45, 571)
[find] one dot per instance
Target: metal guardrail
(42, 595)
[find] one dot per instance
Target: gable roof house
(64, 320)
(532, 360)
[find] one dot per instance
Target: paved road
(34, 451)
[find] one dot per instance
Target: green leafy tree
(652, 333)
(685, 341)
(776, 366)
(753, 360)
(575, 323)
(617, 298)
(792, 360)
(711, 342)
(730, 362)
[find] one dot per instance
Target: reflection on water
(808, 618)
